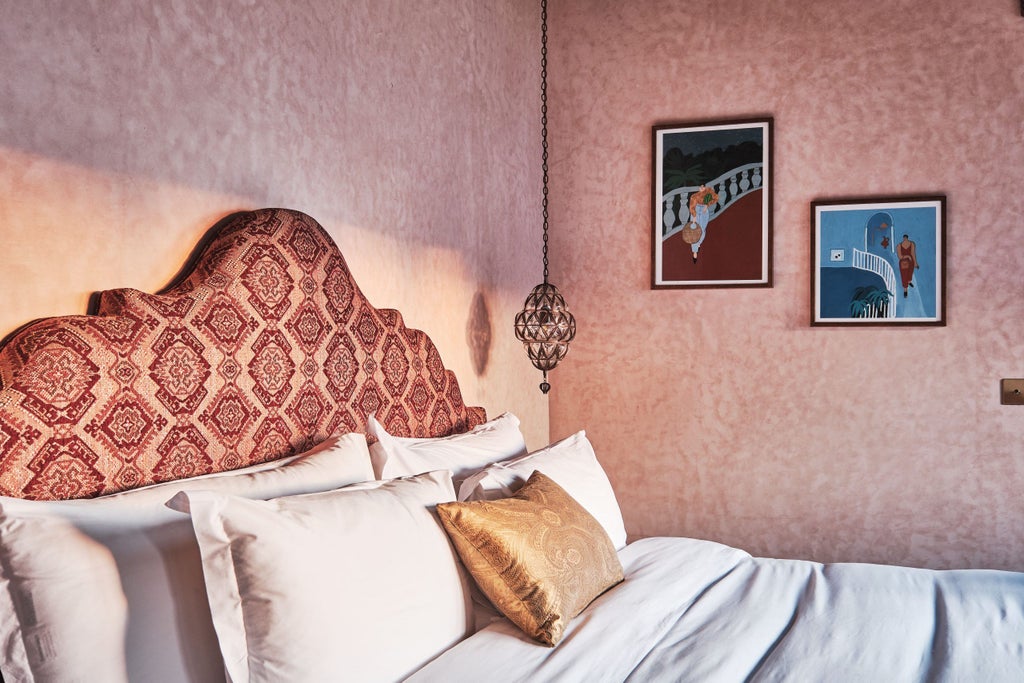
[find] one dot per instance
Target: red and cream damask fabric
(264, 348)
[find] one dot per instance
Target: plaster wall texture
(408, 131)
(721, 413)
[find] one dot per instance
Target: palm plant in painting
(681, 177)
(870, 302)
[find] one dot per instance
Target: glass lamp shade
(545, 326)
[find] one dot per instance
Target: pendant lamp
(545, 325)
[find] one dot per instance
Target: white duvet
(694, 610)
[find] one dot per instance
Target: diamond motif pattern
(66, 468)
(272, 440)
(224, 322)
(230, 415)
(183, 453)
(370, 400)
(308, 408)
(127, 423)
(308, 327)
(122, 331)
(302, 243)
(339, 291)
(263, 347)
(420, 398)
(395, 366)
(396, 420)
(267, 279)
(367, 329)
(272, 368)
(341, 367)
(179, 371)
(57, 378)
(435, 368)
(342, 423)
(166, 307)
(442, 415)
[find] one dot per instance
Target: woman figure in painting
(907, 252)
(701, 202)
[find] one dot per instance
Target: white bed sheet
(693, 610)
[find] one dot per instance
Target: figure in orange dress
(907, 251)
(701, 202)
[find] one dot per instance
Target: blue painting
(879, 262)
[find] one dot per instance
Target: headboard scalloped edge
(261, 347)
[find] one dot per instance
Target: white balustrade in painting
(729, 187)
(882, 268)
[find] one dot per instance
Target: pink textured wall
(408, 131)
(721, 414)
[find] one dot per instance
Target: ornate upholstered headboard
(262, 347)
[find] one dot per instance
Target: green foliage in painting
(870, 302)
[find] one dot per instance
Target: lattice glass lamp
(545, 325)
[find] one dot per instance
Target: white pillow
(111, 589)
(347, 585)
(463, 454)
(572, 464)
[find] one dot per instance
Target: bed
(254, 474)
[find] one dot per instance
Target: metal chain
(544, 119)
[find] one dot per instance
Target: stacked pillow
(572, 464)
(356, 584)
(74, 575)
(490, 464)
(306, 569)
(462, 454)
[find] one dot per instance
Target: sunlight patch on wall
(68, 231)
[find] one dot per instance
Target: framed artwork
(878, 261)
(712, 204)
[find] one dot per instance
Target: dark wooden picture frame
(712, 204)
(878, 261)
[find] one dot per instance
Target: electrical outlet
(837, 255)
(1012, 392)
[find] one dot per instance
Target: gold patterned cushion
(539, 555)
